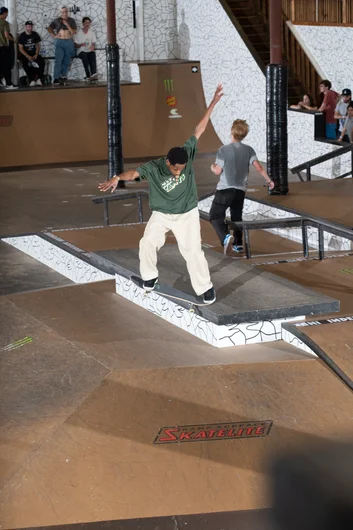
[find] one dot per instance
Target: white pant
(187, 231)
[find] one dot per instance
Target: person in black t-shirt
(33, 63)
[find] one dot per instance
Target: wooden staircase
(250, 17)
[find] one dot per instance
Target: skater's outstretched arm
(201, 127)
(113, 183)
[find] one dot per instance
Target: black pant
(32, 72)
(89, 62)
(224, 199)
(5, 64)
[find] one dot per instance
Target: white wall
(159, 24)
(331, 48)
(205, 33)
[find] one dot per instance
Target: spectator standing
(33, 63)
(328, 106)
(85, 41)
(347, 130)
(63, 29)
(5, 52)
(341, 109)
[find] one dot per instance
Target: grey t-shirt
(348, 124)
(59, 24)
(341, 108)
(235, 159)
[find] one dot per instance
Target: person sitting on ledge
(32, 62)
(85, 40)
(306, 103)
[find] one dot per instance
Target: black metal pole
(115, 144)
(276, 105)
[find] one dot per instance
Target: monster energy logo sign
(169, 85)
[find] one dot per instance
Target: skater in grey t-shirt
(232, 166)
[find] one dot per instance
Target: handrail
(121, 195)
(319, 159)
(302, 222)
(299, 62)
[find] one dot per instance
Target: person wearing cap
(5, 52)
(29, 46)
(347, 131)
(341, 110)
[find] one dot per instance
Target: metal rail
(304, 222)
(263, 224)
(120, 196)
(306, 166)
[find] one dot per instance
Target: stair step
(245, 5)
(257, 32)
(257, 25)
(243, 11)
(262, 35)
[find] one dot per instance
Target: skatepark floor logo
(213, 432)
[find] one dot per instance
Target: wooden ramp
(328, 199)
(330, 340)
(163, 84)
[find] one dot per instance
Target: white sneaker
(3, 82)
(39, 82)
(32, 83)
(11, 87)
(227, 244)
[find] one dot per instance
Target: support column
(276, 104)
(115, 147)
(140, 35)
(12, 20)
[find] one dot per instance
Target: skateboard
(63, 82)
(170, 292)
(94, 80)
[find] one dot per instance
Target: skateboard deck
(170, 292)
(94, 80)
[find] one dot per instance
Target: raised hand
(105, 186)
(218, 94)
